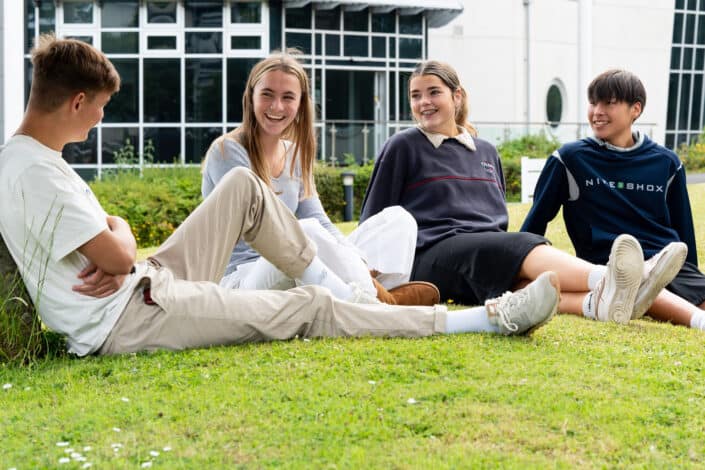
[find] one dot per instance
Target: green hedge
(160, 199)
(693, 155)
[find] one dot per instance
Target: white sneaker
(614, 296)
(523, 311)
(659, 271)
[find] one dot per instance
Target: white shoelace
(508, 299)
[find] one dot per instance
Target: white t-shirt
(46, 212)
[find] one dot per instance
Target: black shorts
(689, 284)
(469, 268)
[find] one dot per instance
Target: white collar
(463, 137)
(636, 135)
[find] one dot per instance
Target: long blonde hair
(300, 131)
(449, 77)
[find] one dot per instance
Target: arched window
(554, 104)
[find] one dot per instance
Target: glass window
(379, 47)
(687, 58)
(120, 14)
(317, 93)
(246, 12)
(204, 43)
(685, 101)
(30, 26)
(120, 143)
(162, 90)
(319, 44)
(198, 139)
(78, 12)
(328, 19)
(333, 44)
(238, 70)
(689, 29)
(701, 29)
(392, 47)
(124, 105)
(554, 105)
(82, 152)
(669, 140)
(404, 106)
(678, 28)
(120, 43)
(246, 42)
(410, 48)
(162, 144)
(86, 39)
(383, 22)
(676, 58)
(392, 96)
(411, 24)
(160, 11)
(27, 79)
(680, 4)
(355, 46)
(204, 87)
(301, 41)
(161, 42)
(696, 101)
(702, 5)
(356, 20)
(700, 59)
(672, 101)
(47, 17)
(298, 17)
(692, 4)
(204, 13)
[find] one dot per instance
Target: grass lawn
(577, 394)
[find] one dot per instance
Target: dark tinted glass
(27, 79)
(700, 59)
(245, 42)
(161, 42)
(86, 39)
(688, 58)
(409, 48)
(298, 17)
(333, 44)
(355, 20)
(198, 139)
(161, 90)
(392, 96)
(676, 58)
(246, 12)
(30, 26)
(355, 46)
(83, 152)
(697, 102)
(383, 22)
(161, 11)
(689, 29)
(554, 105)
(357, 87)
(204, 87)
(78, 12)
(120, 14)
(300, 41)
(163, 143)
(684, 101)
(204, 43)
(404, 107)
(238, 70)
(121, 143)
(47, 17)
(672, 101)
(328, 19)
(392, 47)
(120, 43)
(124, 105)
(701, 29)
(379, 47)
(204, 13)
(410, 24)
(678, 28)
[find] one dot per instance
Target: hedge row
(160, 199)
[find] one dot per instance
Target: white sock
(317, 273)
(698, 319)
(595, 275)
(588, 312)
(469, 320)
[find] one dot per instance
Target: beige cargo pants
(193, 311)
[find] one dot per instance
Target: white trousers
(385, 242)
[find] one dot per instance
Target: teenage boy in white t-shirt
(78, 262)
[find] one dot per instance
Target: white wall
(486, 44)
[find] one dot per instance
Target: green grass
(576, 394)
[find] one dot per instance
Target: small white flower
(147, 464)
(62, 444)
(87, 449)
(75, 455)
(7, 386)
(411, 401)
(371, 382)
(12, 468)
(117, 429)
(154, 453)
(68, 451)
(87, 465)
(81, 459)
(28, 388)
(306, 340)
(167, 449)
(677, 363)
(64, 460)
(116, 445)
(125, 399)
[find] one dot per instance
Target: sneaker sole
(555, 282)
(666, 269)
(629, 265)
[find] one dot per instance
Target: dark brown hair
(619, 85)
(65, 67)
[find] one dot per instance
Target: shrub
(693, 155)
(329, 184)
(533, 145)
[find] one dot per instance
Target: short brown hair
(64, 67)
(619, 85)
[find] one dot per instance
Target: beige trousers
(193, 311)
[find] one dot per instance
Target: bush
(533, 145)
(693, 155)
(329, 184)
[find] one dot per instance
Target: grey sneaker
(523, 311)
(614, 296)
(659, 271)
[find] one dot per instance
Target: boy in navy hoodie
(620, 181)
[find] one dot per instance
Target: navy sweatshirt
(448, 190)
(605, 192)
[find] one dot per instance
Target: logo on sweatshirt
(624, 185)
(489, 168)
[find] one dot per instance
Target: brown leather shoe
(383, 294)
(416, 293)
